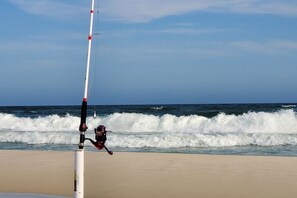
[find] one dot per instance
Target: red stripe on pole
(92, 11)
(90, 37)
(85, 99)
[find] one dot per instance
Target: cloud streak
(140, 11)
(51, 8)
(148, 10)
(268, 47)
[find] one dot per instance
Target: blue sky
(149, 51)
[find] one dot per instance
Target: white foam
(288, 106)
(284, 121)
(131, 130)
(157, 108)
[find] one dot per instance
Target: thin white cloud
(214, 49)
(148, 10)
(51, 8)
(285, 8)
(268, 47)
(27, 46)
(189, 31)
(176, 31)
(45, 43)
(184, 24)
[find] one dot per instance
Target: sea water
(243, 129)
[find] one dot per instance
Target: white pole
(79, 174)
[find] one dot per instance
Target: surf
(139, 130)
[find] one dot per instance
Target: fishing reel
(100, 136)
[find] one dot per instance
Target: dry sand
(150, 175)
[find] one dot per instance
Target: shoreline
(149, 174)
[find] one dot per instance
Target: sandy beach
(136, 175)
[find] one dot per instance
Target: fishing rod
(100, 131)
(79, 154)
(84, 107)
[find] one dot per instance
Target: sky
(148, 52)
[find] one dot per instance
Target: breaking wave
(134, 130)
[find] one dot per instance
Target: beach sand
(149, 175)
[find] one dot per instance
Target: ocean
(228, 129)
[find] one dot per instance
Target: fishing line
(96, 45)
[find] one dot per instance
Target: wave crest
(132, 130)
(283, 121)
